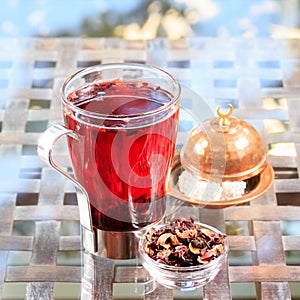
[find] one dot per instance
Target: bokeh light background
(147, 19)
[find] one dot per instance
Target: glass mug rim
(175, 98)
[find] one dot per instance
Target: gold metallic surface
(224, 148)
(224, 116)
(265, 180)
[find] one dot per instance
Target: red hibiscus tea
(125, 122)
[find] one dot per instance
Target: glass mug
(121, 124)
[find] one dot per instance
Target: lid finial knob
(224, 115)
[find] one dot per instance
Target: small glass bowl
(183, 278)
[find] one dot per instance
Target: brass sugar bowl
(223, 149)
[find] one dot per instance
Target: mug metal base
(111, 244)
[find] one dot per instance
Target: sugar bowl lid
(224, 148)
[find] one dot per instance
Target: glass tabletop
(41, 254)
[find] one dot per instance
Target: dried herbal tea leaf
(183, 243)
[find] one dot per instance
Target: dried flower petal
(183, 243)
(162, 240)
(193, 249)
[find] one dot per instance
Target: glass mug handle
(45, 146)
